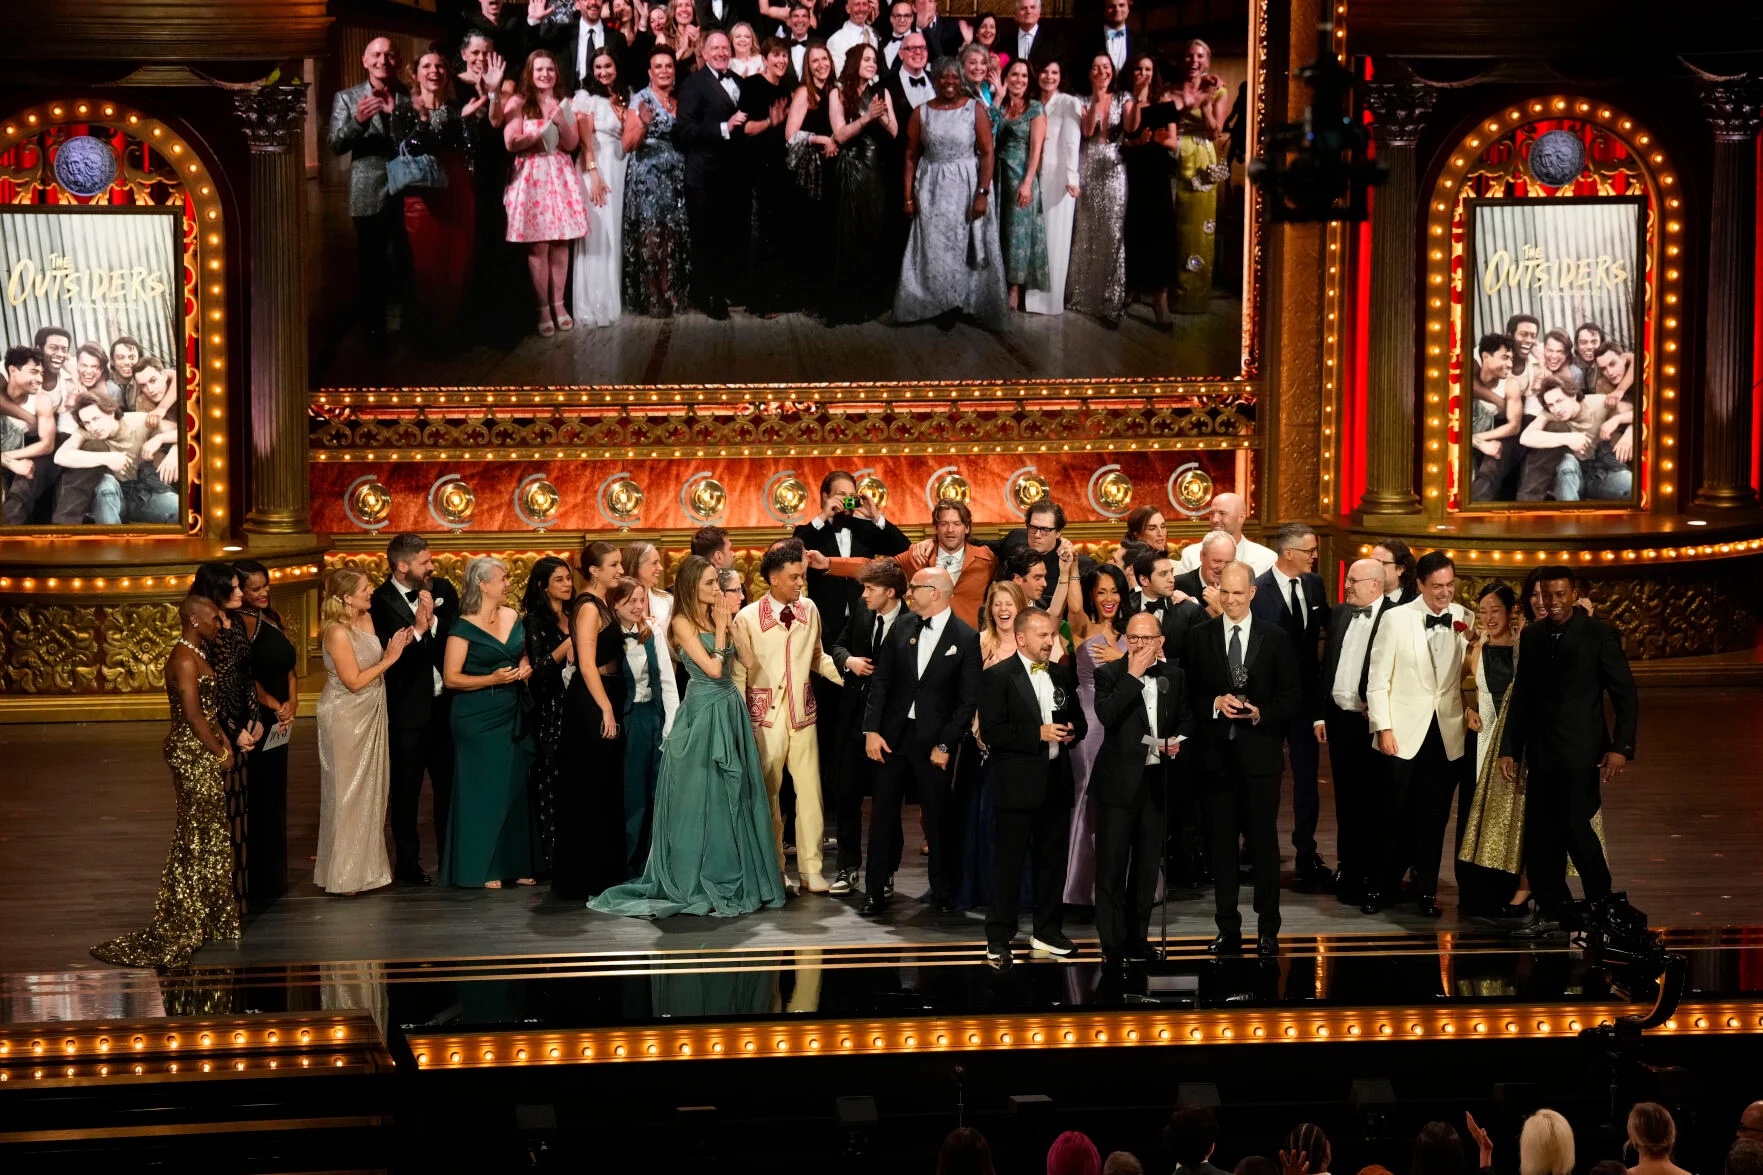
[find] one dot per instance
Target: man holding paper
(1142, 702)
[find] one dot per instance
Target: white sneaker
(1059, 947)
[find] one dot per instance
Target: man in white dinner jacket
(1414, 703)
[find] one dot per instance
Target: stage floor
(86, 812)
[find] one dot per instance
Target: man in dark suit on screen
(1142, 703)
(921, 702)
(1339, 722)
(1567, 663)
(854, 651)
(1290, 594)
(1245, 679)
(418, 710)
(573, 39)
(1028, 718)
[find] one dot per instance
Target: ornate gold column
(1732, 111)
(272, 116)
(1399, 107)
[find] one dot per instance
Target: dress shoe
(413, 877)
(1143, 953)
(1373, 903)
(1314, 876)
(874, 906)
(888, 887)
(1538, 927)
(999, 959)
(815, 883)
(1428, 907)
(1267, 946)
(1225, 944)
(1054, 944)
(844, 883)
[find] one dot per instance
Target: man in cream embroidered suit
(1414, 703)
(777, 639)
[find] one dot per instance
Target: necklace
(196, 649)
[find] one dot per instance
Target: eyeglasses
(1033, 529)
(1142, 640)
(921, 587)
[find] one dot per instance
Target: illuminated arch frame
(205, 296)
(1661, 339)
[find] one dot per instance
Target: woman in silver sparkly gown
(1096, 281)
(953, 263)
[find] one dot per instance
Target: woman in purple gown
(1100, 636)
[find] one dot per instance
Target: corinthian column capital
(1399, 109)
(271, 116)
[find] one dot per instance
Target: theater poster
(1553, 294)
(92, 423)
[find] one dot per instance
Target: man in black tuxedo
(1290, 594)
(1567, 663)
(1339, 722)
(797, 32)
(718, 195)
(726, 14)
(1028, 717)
(418, 710)
(575, 41)
(1155, 571)
(898, 24)
(1245, 679)
(1218, 550)
(923, 698)
(854, 652)
(1028, 38)
(1111, 39)
(1142, 703)
(942, 35)
(858, 531)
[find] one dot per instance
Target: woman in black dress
(864, 126)
(812, 151)
(550, 588)
(278, 695)
(235, 696)
(765, 99)
(1150, 202)
(588, 798)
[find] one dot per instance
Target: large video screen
(1552, 357)
(92, 414)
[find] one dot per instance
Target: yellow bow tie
(1037, 666)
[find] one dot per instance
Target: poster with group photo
(92, 413)
(1553, 291)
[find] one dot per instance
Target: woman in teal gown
(713, 851)
(491, 834)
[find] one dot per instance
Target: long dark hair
(618, 91)
(1092, 580)
(535, 602)
(850, 83)
(245, 569)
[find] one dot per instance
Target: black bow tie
(1155, 669)
(896, 40)
(633, 636)
(1156, 607)
(1443, 620)
(912, 81)
(1365, 611)
(410, 594)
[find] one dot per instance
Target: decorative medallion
(1110, 491)
(368, 503)
(703, 497)
(537, 501)
(786, 496)
(85, 165)
(1024, 488)
(1557, 157)
(620, 500)
(1190, 489)
(872, 487)
(452, 502)
(946, 485)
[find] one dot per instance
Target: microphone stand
(1168, 877)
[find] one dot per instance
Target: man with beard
(418, 710)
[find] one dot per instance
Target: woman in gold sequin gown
(1204, 105)
(195, 903)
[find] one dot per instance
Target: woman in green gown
(713, 851)
(491, 836)
(1021, 133)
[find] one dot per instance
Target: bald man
(1228, 514)
(922, 698)
(363, 121)
(1339, 722)
(1751, 1122)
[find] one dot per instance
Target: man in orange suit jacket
(971, 566)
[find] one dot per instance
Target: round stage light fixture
(1110, 492)
(537, 501)
(620, 500)
(872, 487)
(1026, 487)
(786, 496)
(368, 503)
(1191, 489)
(703, 497)
(945, 485)
(452, 501)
